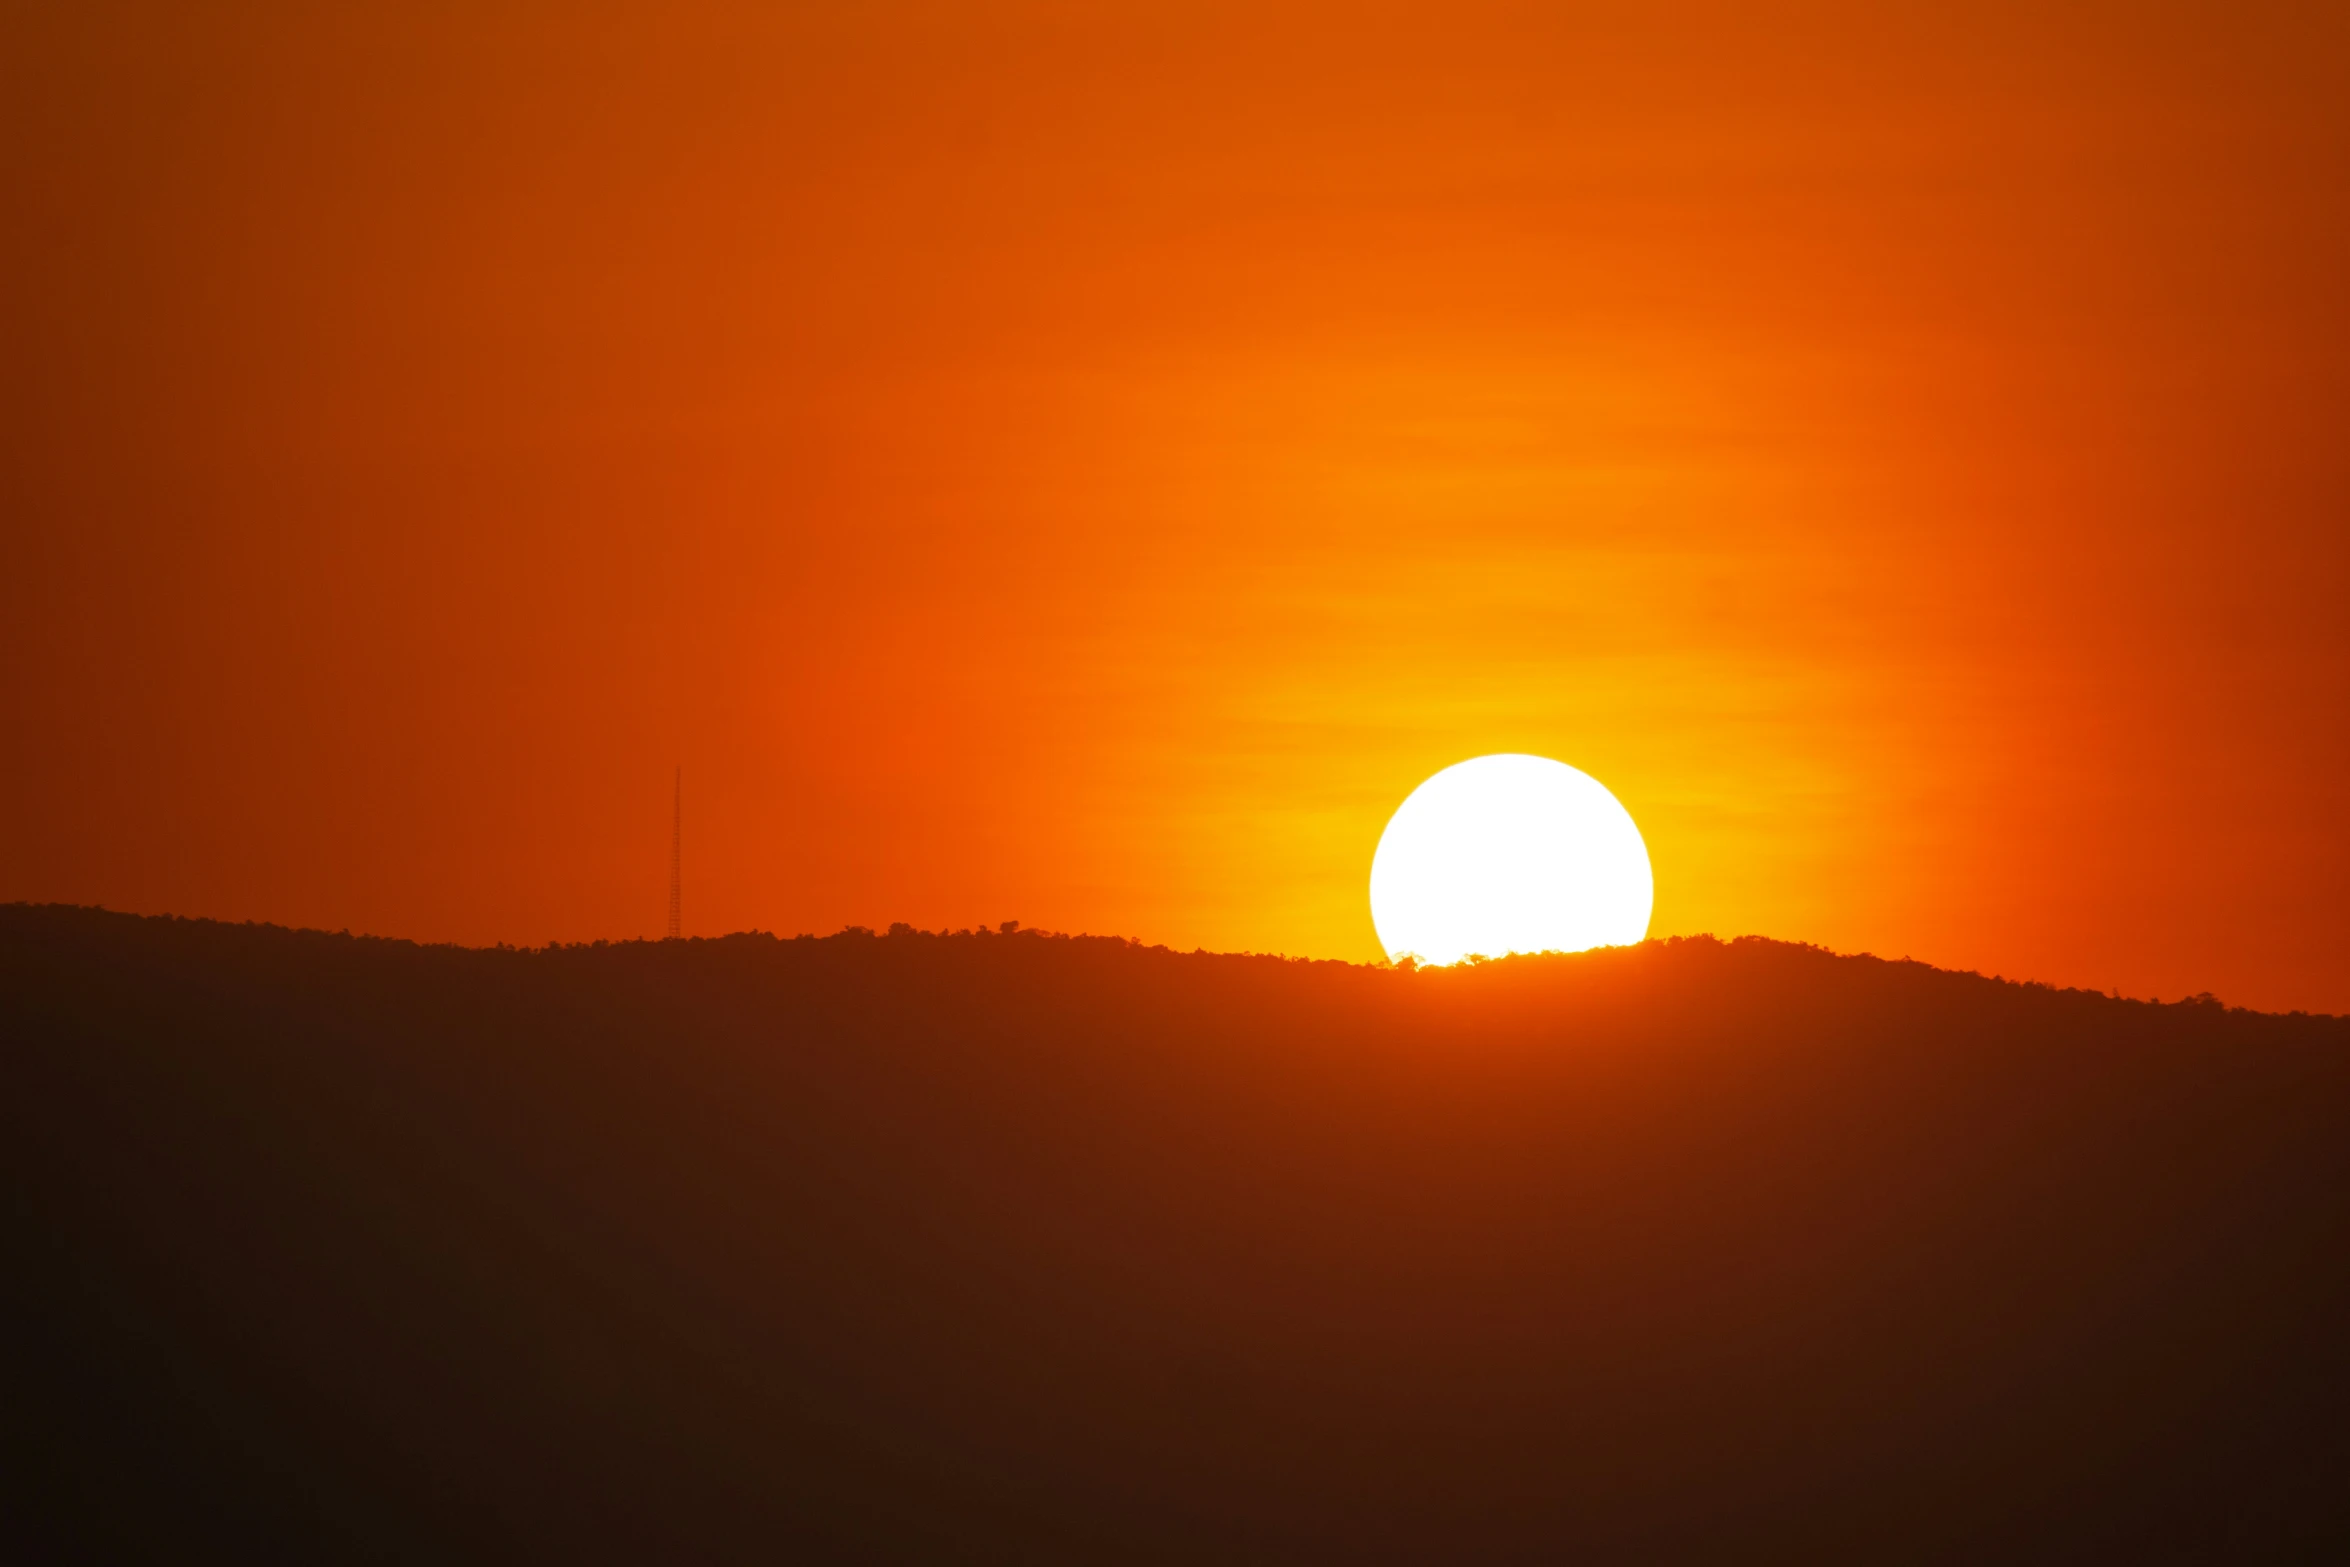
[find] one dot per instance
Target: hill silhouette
(1014, 1247)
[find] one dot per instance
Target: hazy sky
(1087, 463)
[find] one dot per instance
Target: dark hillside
(1024, 1248)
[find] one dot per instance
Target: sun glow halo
(1505, 854)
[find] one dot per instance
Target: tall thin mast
(676, 856)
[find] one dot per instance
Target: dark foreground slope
(1028, 1249)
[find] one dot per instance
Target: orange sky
(1085, 464)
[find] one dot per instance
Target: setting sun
(1509, 854)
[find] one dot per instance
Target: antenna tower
(676, 845)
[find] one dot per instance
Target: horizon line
(1014, 929)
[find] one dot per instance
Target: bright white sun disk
(1509, 854)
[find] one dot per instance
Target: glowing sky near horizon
(1088, 464)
